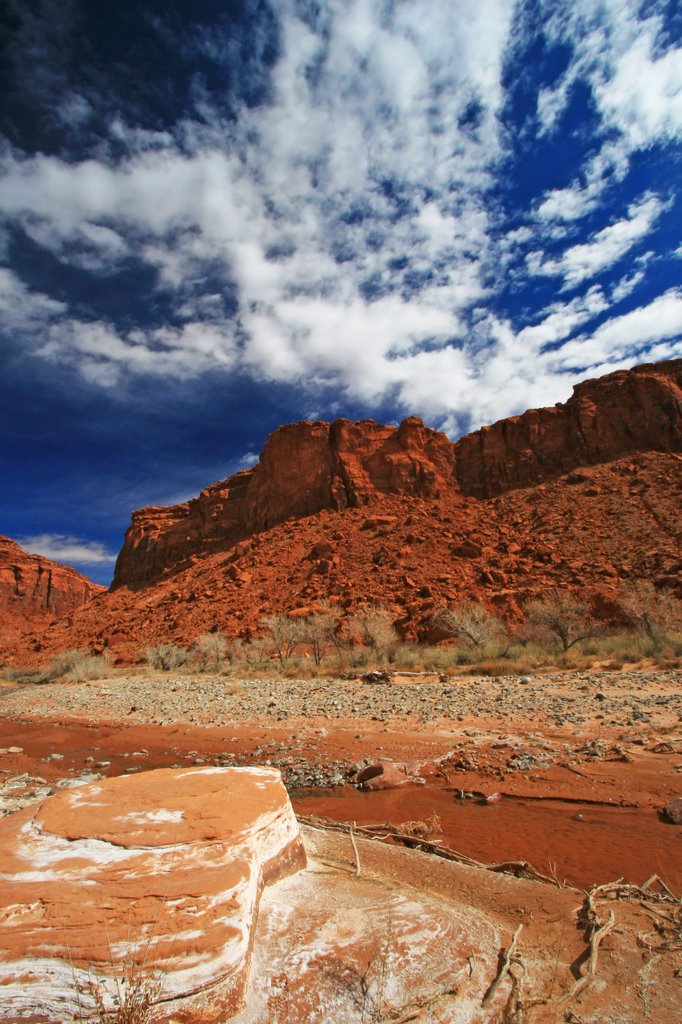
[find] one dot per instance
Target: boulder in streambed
(162, 871)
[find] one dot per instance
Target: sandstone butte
(164, 871)
(582, 495)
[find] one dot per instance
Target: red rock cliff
(304, 468)
(627, 411)
(34, 589)
(310, 466)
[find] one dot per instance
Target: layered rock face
(308, 467)
(163, 871)
(34, 589)
(304, 468)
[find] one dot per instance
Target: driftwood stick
(503, 969)
(402, 1020)
(358, 867)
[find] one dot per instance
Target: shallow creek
(577, 842)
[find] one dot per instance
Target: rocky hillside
(585, 495)
(34, 591)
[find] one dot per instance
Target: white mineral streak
(215, 885)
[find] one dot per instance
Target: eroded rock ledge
(164, 870)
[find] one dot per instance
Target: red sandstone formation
(163, 870)
(35, 590)
(585, 496)
(304, 468)
(310, 466)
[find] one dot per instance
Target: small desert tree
(167, 657)
(561, 618)
(209, 651)
(655, 612)
(285, 636)
(471, 623)
(376, 630)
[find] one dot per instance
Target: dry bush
(318, 632)
(560, 618)
(167, 657)
(135, 1002)
(285, 635)
(71, 664)
(93, 666)
(209, 652)
(655, 613)
(374, 627)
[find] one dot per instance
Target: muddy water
(603, 844)
(608, 843)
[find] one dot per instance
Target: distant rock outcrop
(584, 496)
(310, 466)
(628, 411)
(163, 871)
(35, 590)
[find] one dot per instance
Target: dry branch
(503, 969)
(355, 851)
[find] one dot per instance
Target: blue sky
(220, 216)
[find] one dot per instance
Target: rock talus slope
(163, 870)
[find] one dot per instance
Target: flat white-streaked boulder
(161, 870)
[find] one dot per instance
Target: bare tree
(561, 617)
(318, 631)
(471, 623)
(285, 635)
(656, 612)
(167, 657)
(376, 630)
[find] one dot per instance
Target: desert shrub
(167, 657)
(318, 631)
(22, 675)
(254, 654)
(94, 666)
(65, 663)
(408, 657)
(560, 618)
(374, 627)
(471, 624)
(209, 651)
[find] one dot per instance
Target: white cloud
(637, 91)
(25, 311)
(304, 205)
(63, 548)
(626, 286)
(607, 247)
(623, 337)
(349, 218)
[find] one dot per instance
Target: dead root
(505, 961)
